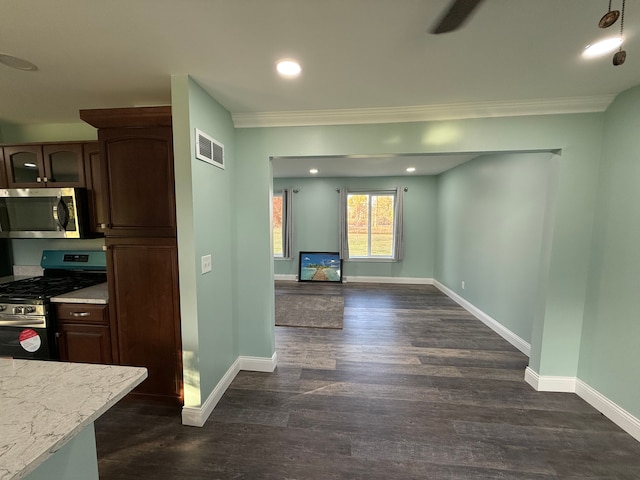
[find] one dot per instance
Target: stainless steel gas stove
(27, 322)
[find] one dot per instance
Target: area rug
(318, 311)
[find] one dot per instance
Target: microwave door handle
(61, 214)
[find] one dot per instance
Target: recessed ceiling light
(313, 171)
(17, 63)
(288, 68)
(600, 48)
(411, 169)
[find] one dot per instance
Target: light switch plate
(206, 263)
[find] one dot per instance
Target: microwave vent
(209, 150)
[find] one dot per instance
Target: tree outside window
(370, 225)
(277, 215)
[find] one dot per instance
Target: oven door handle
(19, 321)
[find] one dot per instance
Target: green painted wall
(610, 356)
(316, 210)
(204, 195)
(49, 132)
(567, 226)
(490, 229)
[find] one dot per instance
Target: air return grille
(209, 150)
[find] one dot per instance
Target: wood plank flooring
(413, 387)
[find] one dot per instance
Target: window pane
(370, 224)
(382, 225)
(358, 225)
(277, 216)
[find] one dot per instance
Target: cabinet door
(24, 166)
(84, 343)
(143, 301)
(92, 175)
(138, 181)
(64, 165)
(3, 172)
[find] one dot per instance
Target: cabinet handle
(38, 179)
(80, 314)
(45, 179)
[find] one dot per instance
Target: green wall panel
(490, 231)
(610, 356)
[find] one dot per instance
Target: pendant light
(609, 18)
(621, 55)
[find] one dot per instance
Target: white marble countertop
(44, 404)
(95, 294)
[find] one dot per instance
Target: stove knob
(29, 309)
(18, 310)
(3, 308)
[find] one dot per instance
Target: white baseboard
(259, 364)
(610, 409)
(504, 332)
(548, 383)
(401, 280)
(197, 416)
(363, 279)
(286, 277)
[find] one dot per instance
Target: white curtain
(287, 203)
(344, 237)
(398, 243)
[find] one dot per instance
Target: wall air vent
(209, 150)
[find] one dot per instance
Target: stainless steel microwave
(43, 213)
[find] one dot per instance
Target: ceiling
(361, 59)
(366, 165)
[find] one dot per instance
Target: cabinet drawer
(82, 313)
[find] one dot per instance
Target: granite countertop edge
(98, 294)
(124, 380)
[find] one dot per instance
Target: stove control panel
(23, 310)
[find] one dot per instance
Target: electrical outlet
(206, 263)
(463, 284)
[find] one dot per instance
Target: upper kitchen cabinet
(93, 179)
(48, 165)
(136, 157)
(24, 166)
(3, 174)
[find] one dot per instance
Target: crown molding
(423, 113)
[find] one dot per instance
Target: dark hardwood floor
(413, 387)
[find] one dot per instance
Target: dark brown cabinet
(83, 333)
(139, 216)
(93, 181)
(44, 165)
(145, 302)
(138, 166)
(3, 174)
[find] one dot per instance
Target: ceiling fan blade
(458, 13)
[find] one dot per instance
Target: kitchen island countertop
(46, 404)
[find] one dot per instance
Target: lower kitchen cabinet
(83, 333)
(143, 301)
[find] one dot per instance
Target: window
(282, 224)
(278, 219)
(371, 225)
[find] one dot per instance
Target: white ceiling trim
(422, 113)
